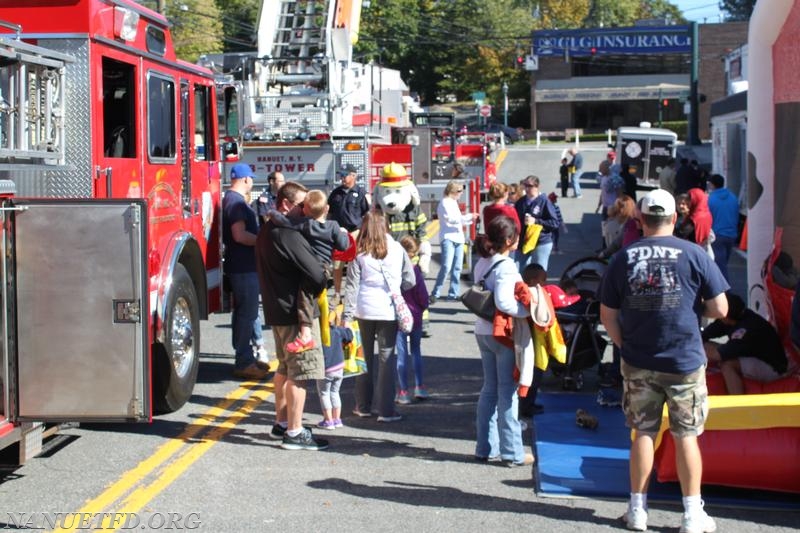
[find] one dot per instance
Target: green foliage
(560, 14)
(738, 9)
(660, 9)
(609, 13)
(681, 127)
(239, 19)
(197, 28)
(446, 48)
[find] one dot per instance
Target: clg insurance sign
(633, 40)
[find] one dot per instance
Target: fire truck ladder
(299, 47)
(31, 102)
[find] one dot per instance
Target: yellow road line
(145, 493)
(500, 158)
(182, 446)
(432, 229)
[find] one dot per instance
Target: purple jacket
(417, 297)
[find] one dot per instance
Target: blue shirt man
(239, 231)
(724, 207)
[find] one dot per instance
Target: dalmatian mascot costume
(398, 198)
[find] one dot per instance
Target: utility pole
(693, 137)
(162, 6)
(505, 104)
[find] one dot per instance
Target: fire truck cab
(110, 215)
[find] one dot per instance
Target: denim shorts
(646, 392)
(302, 366)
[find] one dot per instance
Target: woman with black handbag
(499, 430)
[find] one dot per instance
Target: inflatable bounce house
(753, 440)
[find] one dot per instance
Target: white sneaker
(635, 519)
(698, 523)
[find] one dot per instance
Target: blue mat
(574, 461)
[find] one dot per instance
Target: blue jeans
(576, 182)
(540, 255)
(722, 247)
(499, 430)
(415, 337)
(452, 262)
(245, 320)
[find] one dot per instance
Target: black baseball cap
(347, 169)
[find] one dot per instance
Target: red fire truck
(110, 215)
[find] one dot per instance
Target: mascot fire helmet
(394, 175)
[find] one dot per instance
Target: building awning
(610, 88)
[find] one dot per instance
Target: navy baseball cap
(241, 170)
(347, 169)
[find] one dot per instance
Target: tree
(197, 28)
(738, 9)
(661, 9)
(610, 13)
(239, 19)
(446, 47)
(559, 14)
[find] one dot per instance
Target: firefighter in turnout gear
(398, 198)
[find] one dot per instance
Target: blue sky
(699, 10)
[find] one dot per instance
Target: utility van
(647, 149)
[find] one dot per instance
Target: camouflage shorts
(646, 391)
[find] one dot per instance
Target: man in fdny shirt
(652, 298)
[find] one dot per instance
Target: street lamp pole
(505, 104)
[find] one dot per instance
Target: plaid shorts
(646, 392)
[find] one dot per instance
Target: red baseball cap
(559, 297)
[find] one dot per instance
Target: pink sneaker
(298, 345)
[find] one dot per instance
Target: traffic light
(593, 51)
(665, 102)
(519, 61)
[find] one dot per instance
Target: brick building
(601, 78)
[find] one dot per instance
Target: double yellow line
(138, 486)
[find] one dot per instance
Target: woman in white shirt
(451, 239)
(380, 268)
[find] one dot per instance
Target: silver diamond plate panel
(289, 122)
(75, 182)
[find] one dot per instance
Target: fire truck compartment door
(82, 348)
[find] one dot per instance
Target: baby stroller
(579, 321)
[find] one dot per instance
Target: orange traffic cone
(743, 240)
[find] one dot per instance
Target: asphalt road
(212, 463)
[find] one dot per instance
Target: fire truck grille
(289, 124)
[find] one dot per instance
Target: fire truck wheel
(176, 361)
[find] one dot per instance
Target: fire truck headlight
(125, 23)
